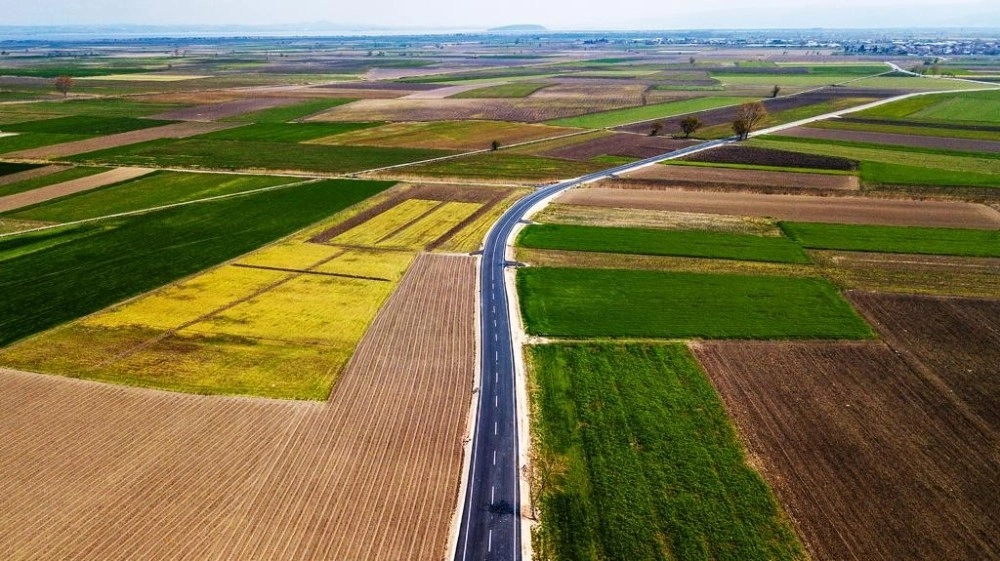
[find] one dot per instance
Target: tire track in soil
(93, 471)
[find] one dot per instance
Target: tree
(656, 129)
(690, 124)
(691, 60)
(64, 84)
(495, 145)
(748, 116)
(775, 90)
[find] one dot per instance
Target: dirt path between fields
(42, 194)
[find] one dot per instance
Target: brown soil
(937, 142)
(754, 179)
(871, 459)
(42, 194)
(621, 144)
(528, 109)
(30, 174)
(94, 471)
(224, 110)
(958, 339)
(847, 210)
(911, 274)
(177, 130)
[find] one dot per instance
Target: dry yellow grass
(380, 264)
(290, 254)
(432, 226)
(370, 232)
(470, 238)
(660, 219)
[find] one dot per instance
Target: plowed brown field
(176, 130)
(752, 179)
(41, 194)
(519, 109)
(100, 472)
(892, 139)
(805, 208)
(226, 109)
(871, 459)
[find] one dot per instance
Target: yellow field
(470, 238)
(280, 322)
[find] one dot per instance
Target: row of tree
(748, 117)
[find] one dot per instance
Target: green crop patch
(149, 191)
(636, 460)
(230, 154)
(26, 141)
(122, 258)
(895, 239)
(642, 241)
(564, 302)
(285, 132)
(85, 125)
(46, 180)
(111, 108)
(291, 112)
(618, 117)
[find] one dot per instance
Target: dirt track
(42, 194)
(847, 210)
(939, 142)
(872, 460)
(754, 179)
(176, 130)
(100, 472)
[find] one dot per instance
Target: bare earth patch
(938, 142)
(694, 176)
(176, 130)
(620, 144)
(96, 472)
(847, 210)
(225, 109)
(872, 459)
(527, 109)
(41, 194)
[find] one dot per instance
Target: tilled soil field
(101, 472)
(620, 144)
(957, 339)
(41, 194)
(802, 208)
(753, 179)
(871, 459)
(911, 274)
(176, 130)
(752, 155)
(226, 109)
(892, 139)
(517, 109)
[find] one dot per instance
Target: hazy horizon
(557, 15)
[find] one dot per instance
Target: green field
(516, 89)
(85, 125)
(906, 127)
(231, 154)
(285, 132)
(11, 168)
(895, 239)
(149, 191)
(784, 80)
(982, 107)
(52, 277)
(68, 175)
(618, 117)
(27, 141)
(74, 70)
(621, 303)
(642, 241)
(111, 108)
(290, 112)
(503, 165)
(637, 461)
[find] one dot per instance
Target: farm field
(369, 471)
(284, 132)
(891, 139)
(515, 89)
(150, 190)
(446, 135)
(750, 156)
(631, 261)
(643, 241)
(287, 318)
(68, 188)
(871, 458)
(67, 146)
(908, 273)
(568, 302)
(618, 144)
(804, 208)
(760, 179)
(41, 177)
(619, 117)
(504, 166)
(975, 107)
(908, 127)
(293, 112)
(527, 109)
(557, 213)
(246, 155)
(641, 462)
(224, 110)
(895, 239)
(148, 251)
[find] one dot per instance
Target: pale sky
(554, 14)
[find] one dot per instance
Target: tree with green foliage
(690, 124)
(64, 84)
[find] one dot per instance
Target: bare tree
(748, 116)
(775, 90)
(656, 129)
(495, 145)
(690, 124)
(64, 84)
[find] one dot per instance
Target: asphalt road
(491, 525)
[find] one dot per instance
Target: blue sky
(555, 14)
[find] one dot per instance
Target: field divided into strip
(279, 322)
(636, 460)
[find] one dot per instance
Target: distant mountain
(518, 29)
